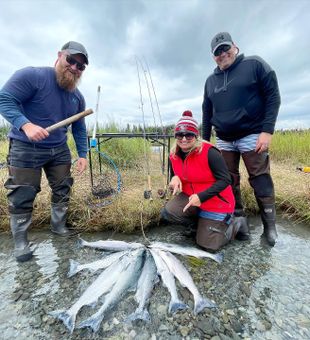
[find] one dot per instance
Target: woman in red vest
(201, 185)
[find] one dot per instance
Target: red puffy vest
(196, 176)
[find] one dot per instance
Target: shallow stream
(261, 292)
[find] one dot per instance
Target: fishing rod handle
(69, 120)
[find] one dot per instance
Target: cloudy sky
(172, 37)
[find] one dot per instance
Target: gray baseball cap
(76, 48)
(222, 38)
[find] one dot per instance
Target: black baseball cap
(76, 48)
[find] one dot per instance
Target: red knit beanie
(187, 124)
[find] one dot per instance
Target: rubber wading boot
(268, 216)
(190, 230)
(59, 219)
(241, 222)
(19, 227)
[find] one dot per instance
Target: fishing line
(141, 224)
(147, 193)
(162, 193)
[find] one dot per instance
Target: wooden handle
(69, 120)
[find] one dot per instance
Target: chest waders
(258, 168)
(23, 185)
(60, 181)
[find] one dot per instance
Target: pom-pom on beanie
(187, 124)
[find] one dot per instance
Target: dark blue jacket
(33, 95)
(241, 100)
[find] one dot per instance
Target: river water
(261, 292)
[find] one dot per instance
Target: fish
(103, 263)
(188, 251)
(147, 280)
(175, 303)
(102, 285)
(110, 245)
(126, 280)
(184, 277)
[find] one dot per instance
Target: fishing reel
(148, 194)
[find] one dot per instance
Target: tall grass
(125, 152)
(292, 147)
(130, 210)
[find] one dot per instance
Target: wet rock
(25, 296)
(260, 326)
(245, 288)
(16, 295)
(237, 326)
(230, 312)
(225, 318)
(184, 330)
(142, 335)
(115, 321)
(267, 324)
(209, 326)
(305, 310)
(224, 337)
(162, 310)
(163, 328)
(36, 322)
(132, 334)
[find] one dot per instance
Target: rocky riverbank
(261, 292)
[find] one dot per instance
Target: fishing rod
(161, 192)
(148, 192)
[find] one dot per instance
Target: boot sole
(24, 258)
(242, 237)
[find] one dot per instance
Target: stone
(184, 330)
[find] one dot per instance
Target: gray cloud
(173, 36)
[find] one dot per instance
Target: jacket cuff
(20, 121)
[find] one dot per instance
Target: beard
(66, 79)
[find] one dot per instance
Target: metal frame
(162, 139)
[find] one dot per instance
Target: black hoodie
(241, 100)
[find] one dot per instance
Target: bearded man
(31, 100)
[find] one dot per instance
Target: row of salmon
(134, 267)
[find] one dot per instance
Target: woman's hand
(175, 185)
(193, 201)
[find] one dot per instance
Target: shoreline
(130, 211)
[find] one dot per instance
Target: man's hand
(193, 201)
(81, 165)
(35, 133)
(263, 142)
(175, 185)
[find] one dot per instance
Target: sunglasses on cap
(70, 60)
(221, 49)
(188, 136)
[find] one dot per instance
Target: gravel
(261, 292)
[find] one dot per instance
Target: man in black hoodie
(241, 101)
